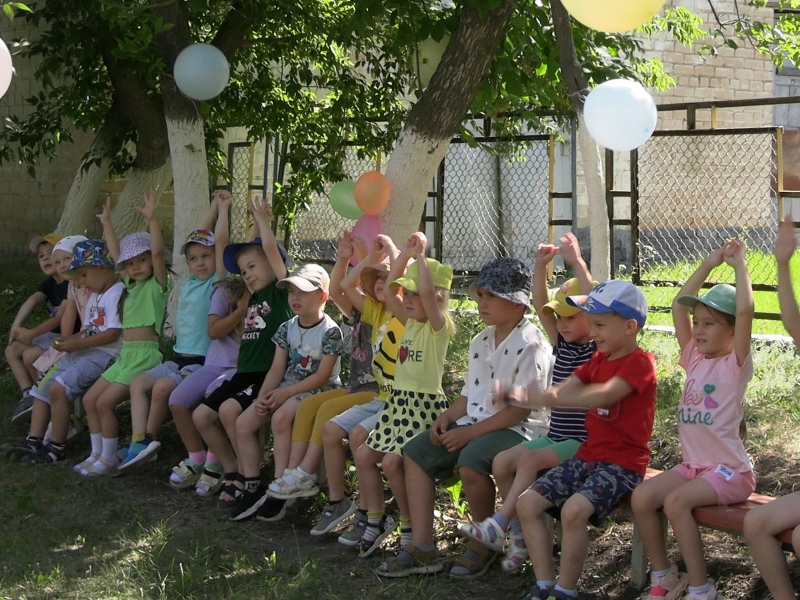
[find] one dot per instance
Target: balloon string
(580, 95)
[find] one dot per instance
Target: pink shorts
(731, 487)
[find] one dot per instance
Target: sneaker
(248, 504)
(139, 454)
(22, 414)
(355, 531)
(293, 484)
(332, 515)
(185, 474)
(386, 527)
(411, 561)
(710, 595)
(48, 435)
(47, 455)
(669, 587)
(273, 509)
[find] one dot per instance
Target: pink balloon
(367, 228)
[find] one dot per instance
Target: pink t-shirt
(711, 410)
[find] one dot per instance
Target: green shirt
(266, 311)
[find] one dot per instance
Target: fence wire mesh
(697, 191)
(491, 206)
(240, 167)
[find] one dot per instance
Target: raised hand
(345, 250)
(734, 252)
(149, 209)
(570, 249)
(545, 253)
(261, 210)
(223, 199)
(105, 213)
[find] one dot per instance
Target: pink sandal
(516, 555)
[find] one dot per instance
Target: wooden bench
(722, 518)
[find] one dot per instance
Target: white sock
(97, 443)
(110, 447)
(311, 476)
(700, 590)
(656, 576)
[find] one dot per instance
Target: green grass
(65, 537)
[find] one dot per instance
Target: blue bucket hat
(507, 278)
(90, 253)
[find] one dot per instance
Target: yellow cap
(442, 276)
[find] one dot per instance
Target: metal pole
(574, 166)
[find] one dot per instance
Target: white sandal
(89, 460)
(481, 533)
(516, 555)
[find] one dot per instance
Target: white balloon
(201, 71)
(6, 68)
(620, 114)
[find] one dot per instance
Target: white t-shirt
(524, 358)
(101, 314)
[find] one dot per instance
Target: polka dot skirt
(406, 414)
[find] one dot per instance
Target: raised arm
(397, 267)
(339, 272)
(109, 235)
(262, 213)
(785, 246)
(571, 393)
(223, 201)
(735, 255)
(571, 253)
(350, 283)
(211, 213)
(156, 239)
(544, 255)
(434, 309)
(682, 315)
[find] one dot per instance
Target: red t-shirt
(620, 433)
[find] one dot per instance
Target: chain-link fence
(491, 206)
(242, 186)
(698, 189)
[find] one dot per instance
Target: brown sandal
(426, 563)
(475, 568)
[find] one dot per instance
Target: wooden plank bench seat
(722, 518)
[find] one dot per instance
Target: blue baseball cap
(621, 297)
(231, 250)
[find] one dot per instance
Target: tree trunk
(590, 152)
(437, 116)
(138, 182)
(82, 201)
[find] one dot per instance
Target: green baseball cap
(721, 297)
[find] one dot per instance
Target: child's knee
(332, 433)
(528, 505)
(56, 392)
(392, 464)
(229, 412)
(282, 422)
(30, 354)
(576, 511)
(162, 389)
(470, 477)
(14, 351)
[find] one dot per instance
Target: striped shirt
(568, 424)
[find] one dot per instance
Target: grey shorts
(76, 372)
(45, 340)
(365, 415)
(173, 371)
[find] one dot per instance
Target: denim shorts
(365, 415)
(603, 484)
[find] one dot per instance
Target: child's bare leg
(312, 458)
(392, 465)
(335, 459)
(297, 453)
(504, 468)
(479, 491)
(29, 356)
(184, 423)
(40, 417)
(90, 399)
(159, 405)
(531, 507)
(369, 477)
(140, 402)
(59, 413)
(248, 448)
(529, 466)
(208, 424)
(282, 421)
(14, 359)
(648, 498)
(574, 521)
(678, 507)
(421, 502)
(761, 525)
(113, 396)
(229, 411)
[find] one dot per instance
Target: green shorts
(136, 358)
(478, 454)
(564, 449)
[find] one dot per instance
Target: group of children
(576, 402)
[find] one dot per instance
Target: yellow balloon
(613, 16)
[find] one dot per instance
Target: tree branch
(571, 70)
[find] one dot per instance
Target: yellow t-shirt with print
(386, 334)
(420, 358)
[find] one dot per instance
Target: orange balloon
(372, 193)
